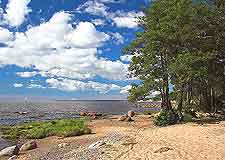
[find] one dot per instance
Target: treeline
(181, 49)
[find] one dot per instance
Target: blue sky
(66, 48)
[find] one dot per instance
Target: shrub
(187, 117)
(165, 118)
(38, 130)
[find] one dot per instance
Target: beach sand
(138, 140)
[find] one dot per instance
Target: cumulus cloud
(93, 7)
(118, 38)
(126, 19)
(74, 85)
(86, 36)
(47, 35)
(18, 85)
(55, 48)
(5, 35)
(119, 18)
(16, 11)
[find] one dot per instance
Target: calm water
(9, 112)
(59, 109)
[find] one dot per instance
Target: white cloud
(125, 90)
(27, 74)
(16, 11)
(5, 35)
(55, 48)
(35, 86)
(74, 85)
(126, 58)
(17, 85)
(118, 38)
(126, 19)
(94, 8)
(119, 18)
(86, 36)
(47, 35)
(98, 22)
(115, 70)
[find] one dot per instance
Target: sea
(12, 113)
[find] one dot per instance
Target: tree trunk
(180, 105)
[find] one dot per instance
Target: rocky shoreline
(138, 139)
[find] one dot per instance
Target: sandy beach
(137, 140)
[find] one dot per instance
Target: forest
(180, 53)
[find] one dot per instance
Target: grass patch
(38, 130)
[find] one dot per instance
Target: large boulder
(83, 114)
(131, 113)
(28, 146)
(129, 119)
(123, 118)
(9, 151)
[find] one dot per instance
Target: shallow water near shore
(12, 113)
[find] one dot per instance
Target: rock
(21, 113)
(63, 145)
(99, 114)
(9, 151)
(92, 114)
(13, 157)
(40, 115)
(93, 117)
(131, 113)
(83, 114)
(129, 119)
(123, 118)
(28, 146)
(163, 149)
(96, 145)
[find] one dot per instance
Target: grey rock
(28, 146)
(129, 119)
(131, 113)
(123, 118)
(9, 151)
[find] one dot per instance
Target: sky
(67, 49)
